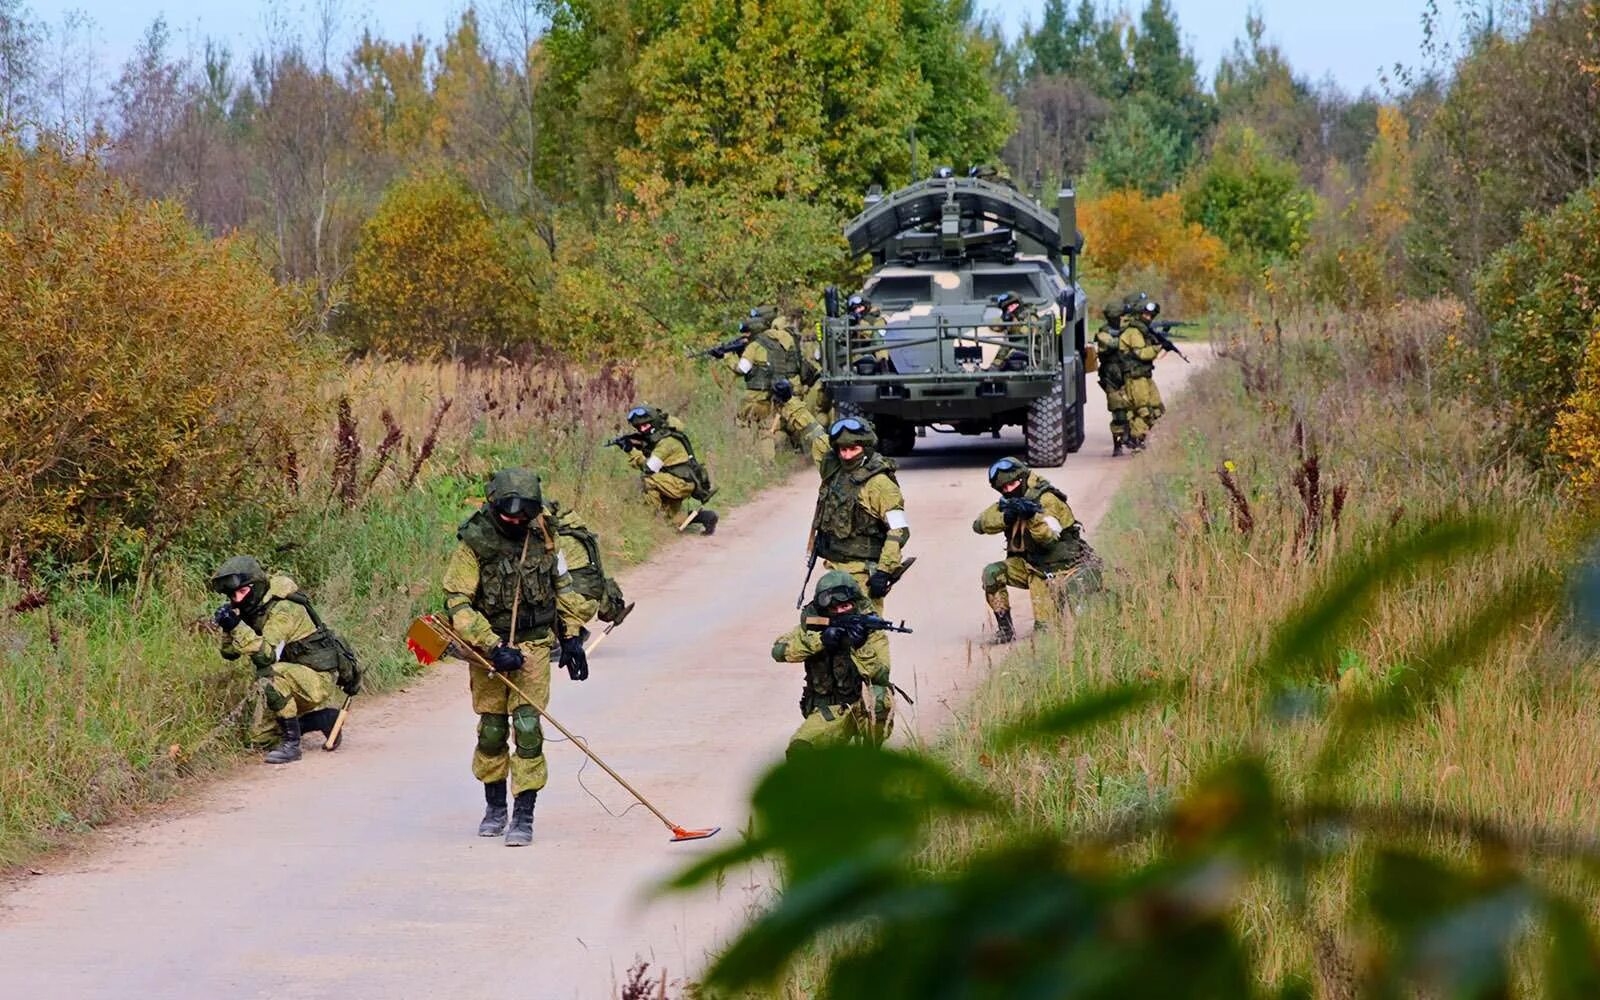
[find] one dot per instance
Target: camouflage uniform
(860, 523)
(867, 326)
(494, 562)
(671, 472)
(1045, 552)
(1113, 377)
(297, 659)
(594, 593)
(1012, 310)
(838, 666)
(1139, 351)
(771, 353)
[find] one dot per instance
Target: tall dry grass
(110, 692)
(1296, 447)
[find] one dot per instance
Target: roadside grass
(111, 694)
(1296, 447)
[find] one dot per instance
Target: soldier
(1013, 310)
(860, 523)
(508, 592)
(300, 663)
(771, 353)
(840, 658)
(595, 594)
(671, 472)
(866, 328)
(1113, 377)
(1045, 550)
(1139, 351)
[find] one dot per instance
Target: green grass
(111, 695)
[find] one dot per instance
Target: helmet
(1006, 471)
(644, 414)
(1151, 309)
(1008, 302)
(982, 170)
(1112, 312)
(847, 431)
(763, 313)
(1131, 301)
(240, 571)
(514, 494)
(943, 172)
(856, 305)
(835, 588)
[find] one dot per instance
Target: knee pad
(994, 578)
(530, 737)
(492, 733)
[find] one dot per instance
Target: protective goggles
(230, 583)
(517, 507)
(837, 596)
(638, 413)
(1004, 465)
(847, 424)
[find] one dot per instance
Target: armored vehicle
(944, 251)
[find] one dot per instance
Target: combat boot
(322, 721)
(1004, 631)
(520, 833)
(288, 751)
(494, 814)
(1116, 448)
(707, 518)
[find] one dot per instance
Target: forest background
(300, 300)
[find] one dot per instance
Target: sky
(1353, 42)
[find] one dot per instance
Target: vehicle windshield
(901, 288)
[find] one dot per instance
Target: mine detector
(943, 250)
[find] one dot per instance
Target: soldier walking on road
(660, 449)
(1045, 550)
(1113, 377)
(304, 669)
(843, 655)
(1139, 351)
(860, 523)
(507, 591)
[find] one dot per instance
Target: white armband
(654, 464)
(744, 366)
(1052, 524)
(896, 519)
(278, 653)
(561, 563)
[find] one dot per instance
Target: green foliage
(1249, 197)
(1541, 298)
(1133, 151)
(964, 119)
(436, 275)
(1165, 74)
(149, 377)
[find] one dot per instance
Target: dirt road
(358, 874)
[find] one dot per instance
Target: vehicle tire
(1046, 429)
(896, 437)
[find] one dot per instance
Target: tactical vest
(1134, 366)
(1062, 553)
(498, 577)
(1113, 371)
(845, 531)
(692, 470)
(831, 677)
(782, 362)
(322, 650)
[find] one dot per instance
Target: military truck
(942, 251)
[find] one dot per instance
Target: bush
(1576, 437)
(1250, 198)
(1540, 296)
(148, 375)
(1131, 237)
(436, 275)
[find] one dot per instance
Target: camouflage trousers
(1051, 594)
(1121, 408)
(870, 720)
(759, 414)
(1145, 399)
(293, 690)
(666, 493)
(510, 735)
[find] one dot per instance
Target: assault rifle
(1162, 331)
(856, 619)
(627, 442)
(731, 346)
(1020, 508)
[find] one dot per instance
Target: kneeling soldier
(844, 651)
(672, 474)
(300, 663)
(507, 591)
(1045, 550)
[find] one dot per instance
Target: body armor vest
(831, 677)
(1113, 371)
(1063, 553)
(692, 470)
(845, 531)
(1136, 367)
(498, 577)
(590, 580)
(782, 362)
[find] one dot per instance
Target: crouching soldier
(507, 592)
(847, 694)
(1045, 550)
(672, 474)
(304, 669)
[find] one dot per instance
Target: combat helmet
(241, 571)
(1113, 314)
(1008, 303)
(1132, 301)
(513, 496)
(645, 415)
(848, 431)
(1006, 471)
(835, 588)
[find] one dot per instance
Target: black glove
(835, 639)
(226, 617)
(1015, 509)
(718, 352)
(878, 584)
(506, 659)
(574, 658)
(782, 391)
(858, 635)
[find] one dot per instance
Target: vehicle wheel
(842, 410)
(1046, 429)
(1077, 432)
(895, 437)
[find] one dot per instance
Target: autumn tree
(1251, 198)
